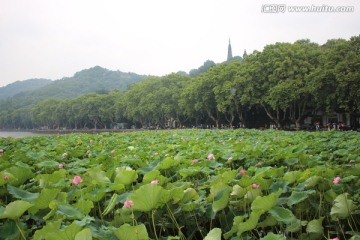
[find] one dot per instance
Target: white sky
(56, 38)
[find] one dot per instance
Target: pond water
(18, 134)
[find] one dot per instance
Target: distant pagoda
(229, 55)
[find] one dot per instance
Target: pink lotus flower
(6, 177)
(334, 238)
(194, 161)
(154, 182)
(128, 203)
(76, 180)
(255, 186)
(60, 165)
(211, 156)
(242, 172)
(336, 180)
(230, 159)
(352, 161)
(1, 150)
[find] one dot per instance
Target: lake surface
(16, 134)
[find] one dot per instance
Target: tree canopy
(282, 84)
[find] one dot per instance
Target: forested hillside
(281, 85)
(86, 81)
(16, 107)
(22, 86)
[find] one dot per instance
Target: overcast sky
(55, 38)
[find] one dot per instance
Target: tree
(206, 66)
(202, 97)
(283, 86)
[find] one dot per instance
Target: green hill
(96, 79)
(22, 86)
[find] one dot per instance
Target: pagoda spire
(229, 55)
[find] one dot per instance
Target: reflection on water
(15, 134)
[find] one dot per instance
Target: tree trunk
(275, 119)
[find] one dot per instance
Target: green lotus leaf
(22, 194)
(341, 152)
(85, 221)
(315, 226)
(343, 206)
(22, 174)
(97, 176)
(272, 236)
(221, 200)
(297, 197)
(252, 194)
(245, 182)
(295, 226)
(128, 232)
(46, 196)
(348, 179)
(249, 224)
(49, 180)
(312, 181)
(265, 203)
(95, 195)
(125, 176)
(262, 171)
(84, 234)
(84, 206)
(214, 234)
(155, 174)
(238, 191)
(9, 230)
(52, 232)
(70, 212)
(356, 237)
(215, 188)
(176, 194)
(330, 195)
(149, 197)
(292, 161)
(269, 221)
(238, 220)
(11, 178)
(292, 176)
(47, 164)
(189, 194)
(190, 206)
(226, 176)
(15, 209)
(167, 163)
(48, 230)
(282, 215)
(188, 172)
(278, 185)
(116, 187)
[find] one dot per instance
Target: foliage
(281, 85)
(181, 184)
(22, 86)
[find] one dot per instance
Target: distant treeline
(283, 83)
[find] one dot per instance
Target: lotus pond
(181, 184)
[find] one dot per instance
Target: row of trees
(284, 83)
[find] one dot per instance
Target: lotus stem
(21, 232)
(153, 223)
